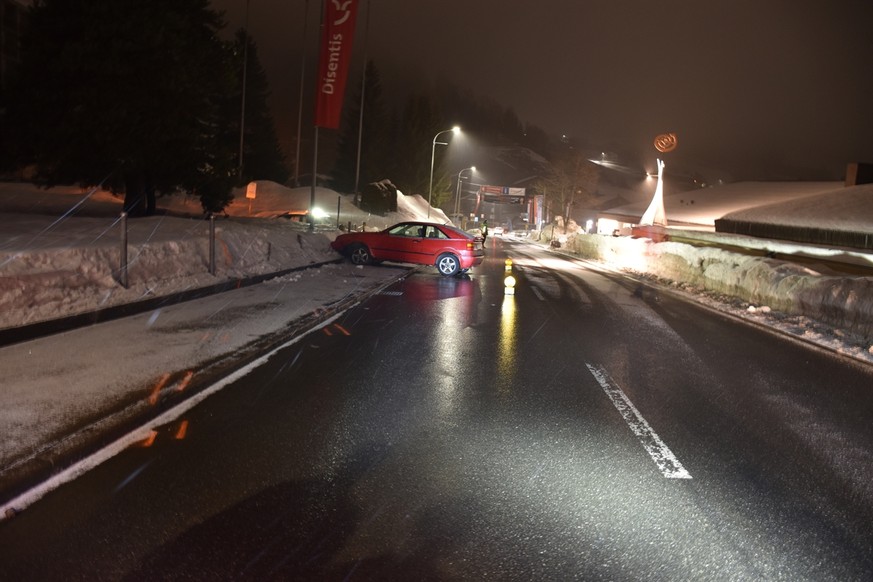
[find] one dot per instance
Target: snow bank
(842, 302)
(73, 266)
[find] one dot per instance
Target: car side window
(418, 231)
(405, 230)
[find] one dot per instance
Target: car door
(432, 244)
(402, 243)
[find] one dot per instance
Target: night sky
(755, 90)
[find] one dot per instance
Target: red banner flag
(333, 61)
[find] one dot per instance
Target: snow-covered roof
(701, 207)
(848, 208)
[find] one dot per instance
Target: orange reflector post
(185, 381)
(156, 391)
(149, 440)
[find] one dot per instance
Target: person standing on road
(484, 231)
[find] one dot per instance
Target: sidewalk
(66, 395)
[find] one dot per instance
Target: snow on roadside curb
(73, 271)
(833, 311)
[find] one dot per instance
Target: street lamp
(458, 192)
(456, 130)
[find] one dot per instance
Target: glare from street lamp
(455, 130)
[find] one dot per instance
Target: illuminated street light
(456, 130)
(458, 192)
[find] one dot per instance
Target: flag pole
(300, 99)
(363, 93)
(315, 146)
(242, 115)
(314, 174)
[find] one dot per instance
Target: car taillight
(470, 246)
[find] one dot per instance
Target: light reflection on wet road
(447, 430)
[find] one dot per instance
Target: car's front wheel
(360, 255)
(448, 264)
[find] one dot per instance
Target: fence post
(211, 244)
(122, 270)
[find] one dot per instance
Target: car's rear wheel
(448, 264)
(360, 255)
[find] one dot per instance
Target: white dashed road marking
(664, 458)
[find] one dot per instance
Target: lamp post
(456, 130)
(458, 192)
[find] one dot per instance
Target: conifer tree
(420, 122)
(125, 93)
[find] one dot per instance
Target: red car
(449, 249)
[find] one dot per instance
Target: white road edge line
(664, 458)
(538, 293)
(78, 469)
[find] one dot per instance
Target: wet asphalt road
(585, 428)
